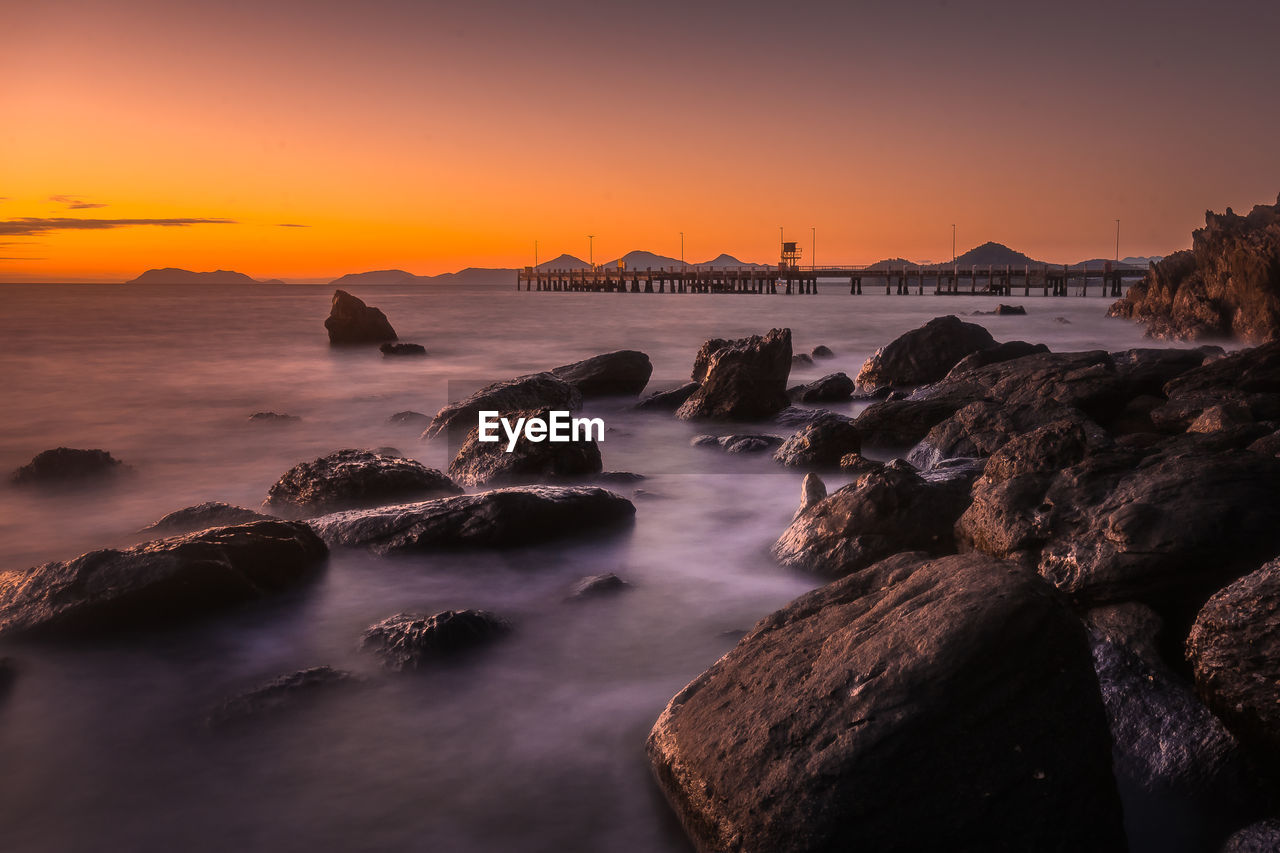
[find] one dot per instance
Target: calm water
(536, 743)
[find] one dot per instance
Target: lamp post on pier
(591, 252)
(1117, 241)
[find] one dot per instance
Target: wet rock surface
(402, 349)
(355, 478)
(923, 355)
(479, 463)
(960, 688)
(276, 418)
(821, 443)
(668, 401)
(202, 516)
(350, 321)
(742, 380)
(597, 586)
(67, 465)
(739, 442)
(621, 373)
(501, 518)
(534, 391)
(833, 387)
(160, 581)
(409, 641)
(279, 695)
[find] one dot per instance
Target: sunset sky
(432, 136)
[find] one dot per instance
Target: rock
(594, 586)
(830, 388)
(1007, 351)
(355, 478)
(1260, 837)
(898, 424)
(703, 359)
(410, 641)
(350, 321)
(923, 355)
(821, 443)
(1249, 378)
(1148, 370)
(812, 490)
(203, 516)
(857, 464)
(738, 442)
(273, 418)
(402, 349)
(534, 391)
(621, 373)
(821, 351)
(982, 428)
(959, 689)
(1172, 755)
(801, 360)
(163, 580)
(1268, 445)
(1234, 651)
(480, 463)
(668, 401)
(1003, 310)
(1222, 417)
(795, 417)
(885, 511)
(415, 420)
(66, 465)
(745, 380)
(1226, 285)
(501, 518)
(279, 694)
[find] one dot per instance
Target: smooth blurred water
(534, 744)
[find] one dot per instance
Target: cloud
(290, 225)
(22, 259)
(29, 225)
(74, 203)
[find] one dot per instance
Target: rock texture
(739, 442)
(203, 516)
(159, 581)
(668, 401)
(924, 354)
(821, 443)
(498, 519)
(279, 695)
(402, 349)
(355, 478)
(743, 380)
(1226, 285)
(350, 321)
(534, 391)
(410, 641)
(831, 388)
(596, 586)
(621, 373)
(66, 465)
(920, 704)
(479, 463)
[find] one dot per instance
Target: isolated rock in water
(1234, 650)
(595, 586)
(350, 321)
(821, 351)
(534, 391)
(403, 349)
(1260, 837)
(480, 463)
(1226, 285)
(355, 478)
(621, 373)
(745, 380)
(66, 465)
(416, 420)
(830, 388)
(902, 423)
(885, 511)
(502, 518)
(668, 401)
(821, 443)
(273, 418)
(924, 354)
(920, 704)
(203, 516)
(410, 641)
(801, 360)
(159, 581)
(739, 442)
(280, 694)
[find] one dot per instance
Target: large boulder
(355, 478)
(821, 443)
(921, 704)
(620, 373)
(1006, 351)
(1234, 650)
(923, 355)
(350, 321)
(833, 387)
(983, 427)
(885, 511)
(411, 641)
(159, 581)
(498, 519)
(744, 380)
(479, 463)
(1226, 285)
(1248, 381)
(900, 424)
(533, 391)
(66, 465)
(668, 401)
(1260, 837)
(203, 516)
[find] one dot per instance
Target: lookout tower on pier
(790, 256)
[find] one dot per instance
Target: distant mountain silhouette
(1101, 263)
(730, 261)
(892, 263)
(564, 262)
(172, 275)
(376, 277)
(994, 254)
(644, 260)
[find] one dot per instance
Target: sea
(535, 743)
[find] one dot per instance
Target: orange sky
(431, 136)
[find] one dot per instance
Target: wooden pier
(948, 280)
